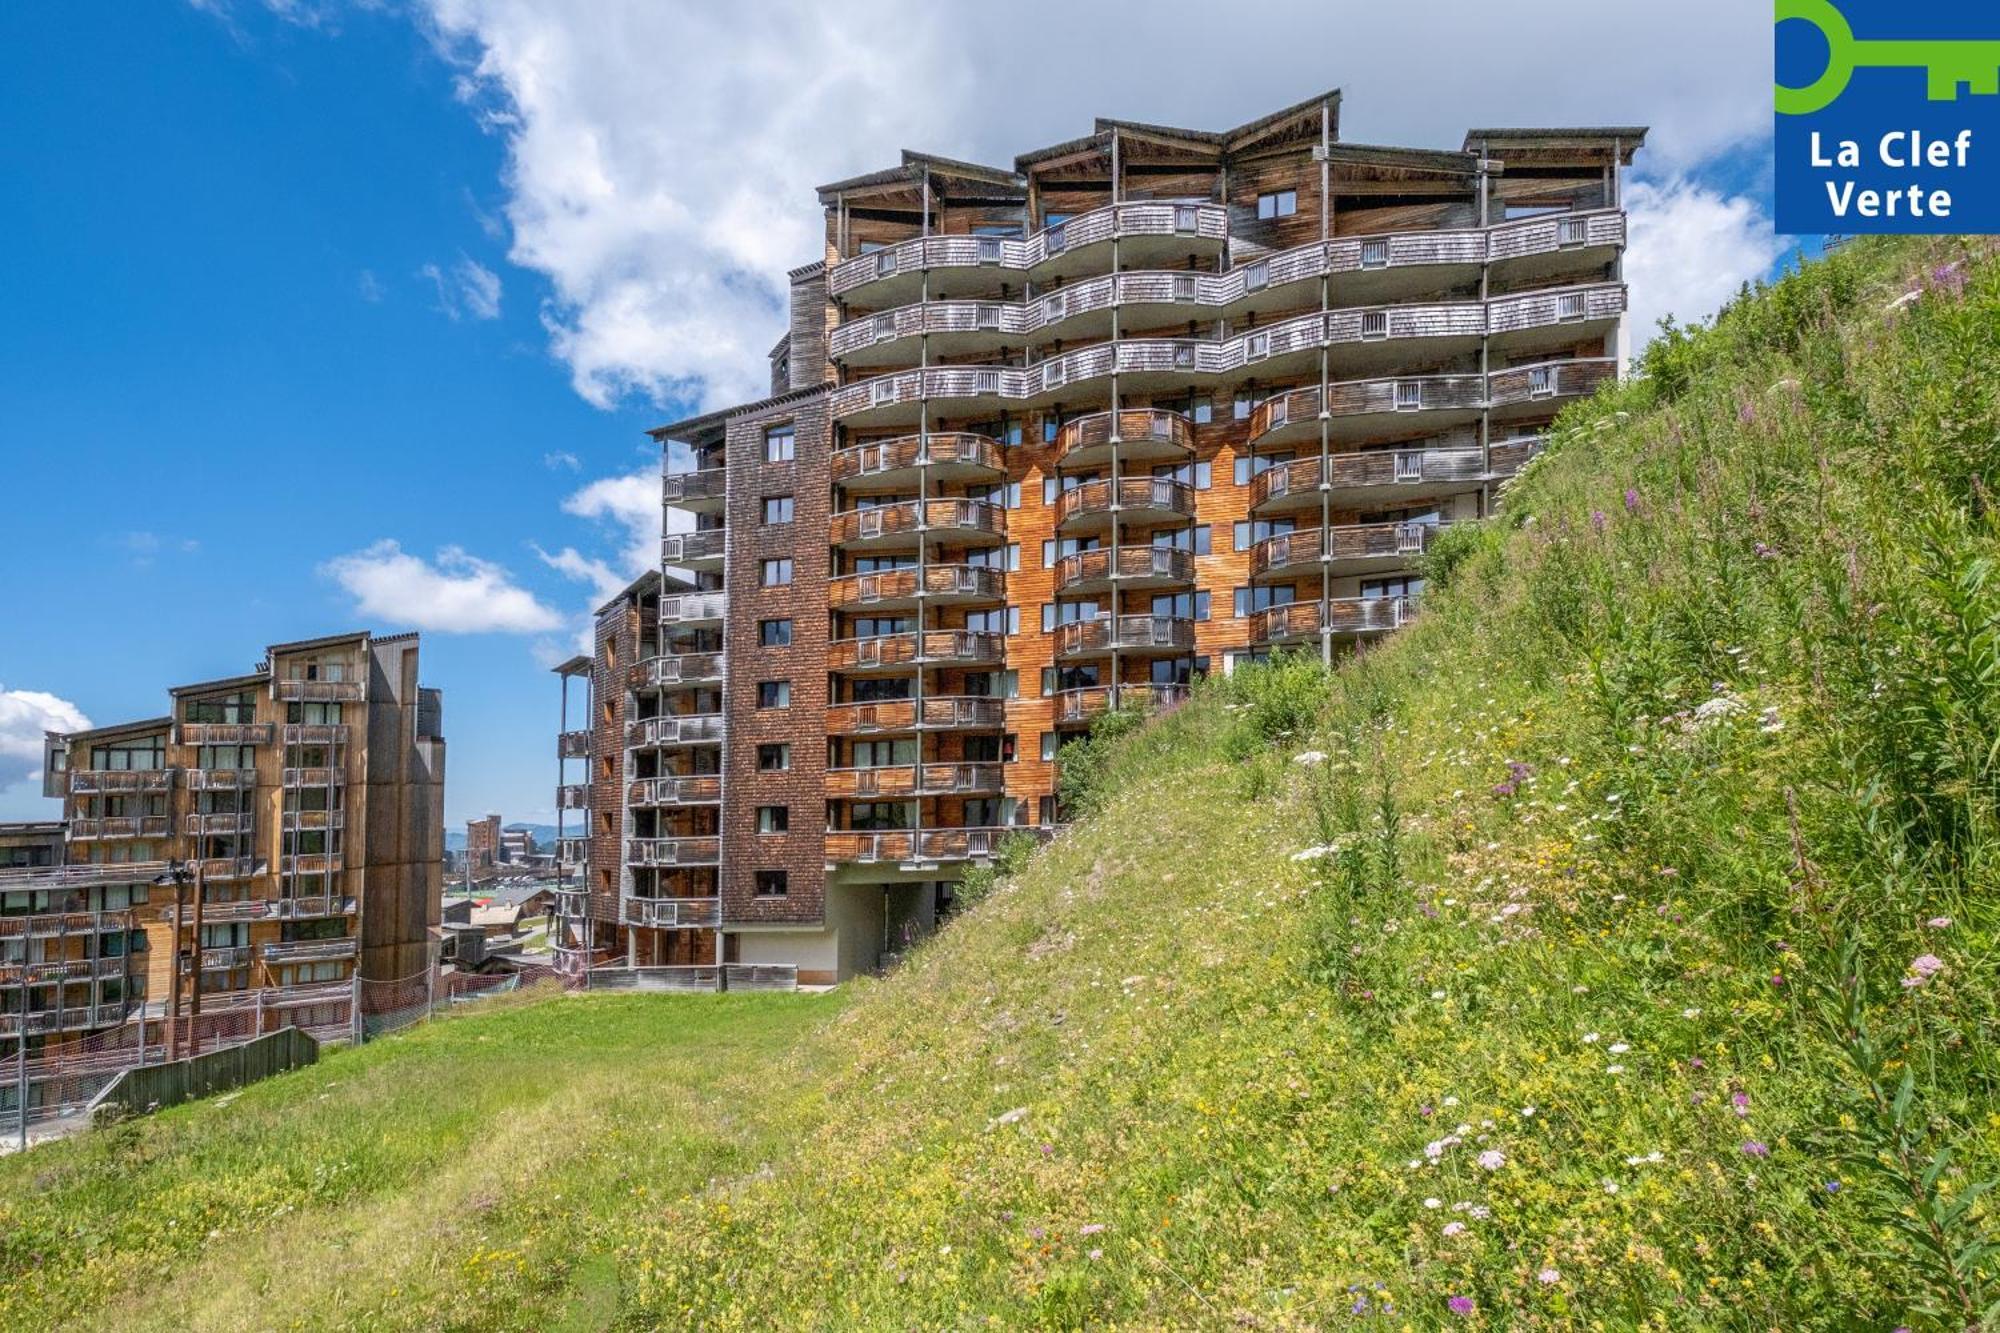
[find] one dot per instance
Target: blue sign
(1888, 116)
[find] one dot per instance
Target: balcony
(694, 608)
(673, 851)
(1091, 507)
(695, 550)
(693, 789)
(311, 951)
(574, 744)
(219, 959)
(310, 863)
(891, 652)
(1560, 315)
(671, 913)
(53, 924)
(675, 729)
(66, 970)
(116, 828)
(1153, 636)
(97, 782)
(319, 691)
(1151, 233)
(573, 796)
(572, 851)
(316, 733)
(314, 777)
(219, 825)
(225, 869)
(903, 781)
(1357, 408)
(293, 821)
(1135, 567)
(1377, 477)
(220, 779)
(1356, 548)
(1137, 436)
(223, 733)
(302, 908)
(42, 1021)
(1521, 392)
(867, 847)
(954, 328)
(948, 712)
(905, 524)
(1300, 622)
(1079, 706)
(702, 492)
(905, 589)
(655, 673)
(897, 464)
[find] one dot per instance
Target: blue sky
(289, 281)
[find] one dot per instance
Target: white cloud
(24, 716)
(561, 458)
(370, 287)
(457, 594)
(469, 288)
(662, 153)
(1690, 250)
(633, 506)
(573, 564)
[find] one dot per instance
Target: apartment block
(267, 839)
(482, 846)
(1045, 440)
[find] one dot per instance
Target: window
(1181, 606)
(776, 573)
(774, 633)
(771, 884)
(1049, 739)
(1401, 585)
(774, 694)
(1261, 599)
(1243, 406)
(774, 758)
(1278, 204)
(774, 819)
(1193, 540)
(1009, 230)
(777, 509)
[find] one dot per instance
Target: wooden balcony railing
(314, 777)
(957, 449)
(961, 582)
(687, 548)
(1148, 497)
(944, 647)
(46, 924)
(228, 868)
(1345, 615)
(1576, 378)
(119, 827)
(961, 712)
(1085, 703)
(67, 970)
(219, 825)
(706, 484)
(693, 789)
(299, 908)
(316, 733)
(293, 821)
(93, 782)
(1148, 565)
(1122, 633)
(673, 851)
(676, 729)
(672, 913)
(310, 863)
(955, 517)
(311, 951)
(897, 781)
(1354, 541)
(319, 691)
(220, 779)
(573, 796)
(1086, 437)
(693, 606)
(675, 669)
(574, 744)
(865, 846)
(224, 733)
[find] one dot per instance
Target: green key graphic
(1946, 63)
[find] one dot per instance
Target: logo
(1894, 130)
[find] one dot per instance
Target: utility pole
(177, 876)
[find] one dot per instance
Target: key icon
(1946, 64)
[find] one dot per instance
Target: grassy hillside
(1612, 949)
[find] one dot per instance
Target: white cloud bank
(1690, 250)
(458, 593)
(467, 290)
(24, 716)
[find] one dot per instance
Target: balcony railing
(673, 669)
(224, 733)
(219, 825)
(314, 777)
(939, 713)
(277, 909)
(311, 951)
(1148, 498)
(319, 691)
(62, 1020)
(693, 789)
(1345, 616)
(1085, 703)
(958, 583)
(1172, 634)
(1134, 566)
(681, 729)
(691, 548)
(310, 863)
(93, 781)
(1139, 433)
(971, 455)
(1533, 385)
(574, 744)
(572, 851)
(672, 913)
(1346, 542)
(707, 484)
(907, 780)
(64, 970)
(958, 518)
(673, 851)
(48, 924)
(1396, 395)
(573, 796)
(693, 606)
(219, 959)
(292, 821)
(119, 827)
(223, 869)
(941, 647)
(316, 733)
(932, 844)
(220, 779)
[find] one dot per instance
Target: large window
(774, 694)
(238, 707)
(146, 752)
(774, 818)
(776, 573)
(779, 444)
(775, 757)
(1262, 599)
(774, 633)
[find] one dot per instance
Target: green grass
(1612, 949)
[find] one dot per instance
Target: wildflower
(1312, 853)
(1922, 968)
(1597, 520)
(1610, 1186)
(1433, 1203)
(1460, 1305)
(1527, 1111)
(1833, 1187)
(1454, 1228)
(1769, 722)
(1618, 1048)
(1097, 1254)
(1548, 1277)
(1503, 789)
(1631, 501)
(1746, 412)
(1716, 709)
(1614, 1069)
(1755, 1149)
(1589, 1037)
(1492, 1159)
(1091, 1229)
(1764, 552)
(1310, 758)
(1939, 923)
